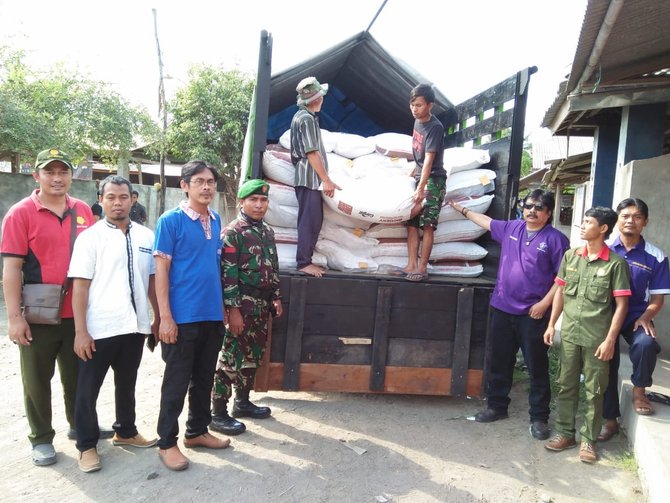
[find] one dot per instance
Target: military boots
(222, 422)
(242, 407)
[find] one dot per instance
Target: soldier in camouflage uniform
(250, 273)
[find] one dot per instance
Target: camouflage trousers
(239, 358)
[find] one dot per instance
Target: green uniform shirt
(249, 266)
(588, 291)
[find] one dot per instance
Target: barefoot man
(311, 169)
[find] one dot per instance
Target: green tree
(209, 120)
(65, 109)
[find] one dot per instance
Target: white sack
(339, 166)
(329, 140)
(378, 165)
(341, 220)
(282, 194)
(281, 215)
(473, 182)
(352, 240)
(461, 159)
(390, 249)
(344, 260)
(480, 204)
(387, 231)
(394, 145)
(458, 230)
(457, 269)
(285, 234)
(286, 254)
(457, 251)
(352, 145)
(375, 200)
(277, 168)
(285, 139)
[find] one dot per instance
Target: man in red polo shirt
(36, 249)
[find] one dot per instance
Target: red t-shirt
(42, 239)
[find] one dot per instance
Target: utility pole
(162, 111)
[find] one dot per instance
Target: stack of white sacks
(363, 228)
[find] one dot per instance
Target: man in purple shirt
(530, 254)
(650, 282)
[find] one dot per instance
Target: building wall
(649, 180)
(14, 187)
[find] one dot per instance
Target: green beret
(254, 186)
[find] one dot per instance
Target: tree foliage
(209, 119)
(64, 109)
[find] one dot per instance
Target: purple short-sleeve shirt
(527, 266)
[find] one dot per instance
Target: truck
(375, 333)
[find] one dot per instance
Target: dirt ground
(316, 447)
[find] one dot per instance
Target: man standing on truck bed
(428, 151)
(311, 169)
(250, 277)
(530, 255)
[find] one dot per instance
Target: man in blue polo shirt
(530, 254)
(190, 300)
(650, 282)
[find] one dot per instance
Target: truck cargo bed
(377, 333)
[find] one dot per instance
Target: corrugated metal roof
(559, 147)
(622, 58)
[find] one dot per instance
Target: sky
(461, 46)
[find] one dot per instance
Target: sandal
(643, 406)
(416, 276)
(658, 398)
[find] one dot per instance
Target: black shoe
(490, 415)
(248, 409)
(242, 407)
(227, 425)
(104, 433)
(539, 430)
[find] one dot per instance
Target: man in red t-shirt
(36, 249)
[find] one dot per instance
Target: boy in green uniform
(250, 276)
(589, 278)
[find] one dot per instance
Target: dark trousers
(123, 353)
(50, 344)
(310, 219)
(508, 333)
(189, 367)
(642, 350)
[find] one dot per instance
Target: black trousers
(123, 353)
(310, 219)
(508, 333)
(189, 367)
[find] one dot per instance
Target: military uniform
(250, 275)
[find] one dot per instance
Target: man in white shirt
(113, 271)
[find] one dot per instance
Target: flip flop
(416, 276)
(658, 398)
(643, 406)
(398, 271)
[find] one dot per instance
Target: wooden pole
(162, 110)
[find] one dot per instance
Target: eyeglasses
(537, 206)
(199, 182)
